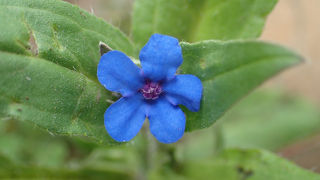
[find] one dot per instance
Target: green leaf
(229, 71)
(195, 20)
(49, 51)
(55, 98)
(238, 164)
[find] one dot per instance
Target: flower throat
(151, 90)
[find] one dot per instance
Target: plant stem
(146, 150)
(219, 140)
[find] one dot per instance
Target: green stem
(147, 150)
(219, 140)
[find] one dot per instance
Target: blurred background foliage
(282, 116)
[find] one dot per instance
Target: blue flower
(154, 91)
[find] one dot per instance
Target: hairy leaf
(49, 51)
(229, 71)
(195, 20)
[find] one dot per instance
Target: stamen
(151, 90)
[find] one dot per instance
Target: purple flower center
(151, 90)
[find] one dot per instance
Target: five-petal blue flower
(154, 91)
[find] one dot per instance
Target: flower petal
(167, 122)
(161, 57)
(124, 118)
(116, 72)
(184, 89)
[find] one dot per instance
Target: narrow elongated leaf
(195, 20)
(49, 51)
(58, 32)
(55, 98)
(229, 71)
